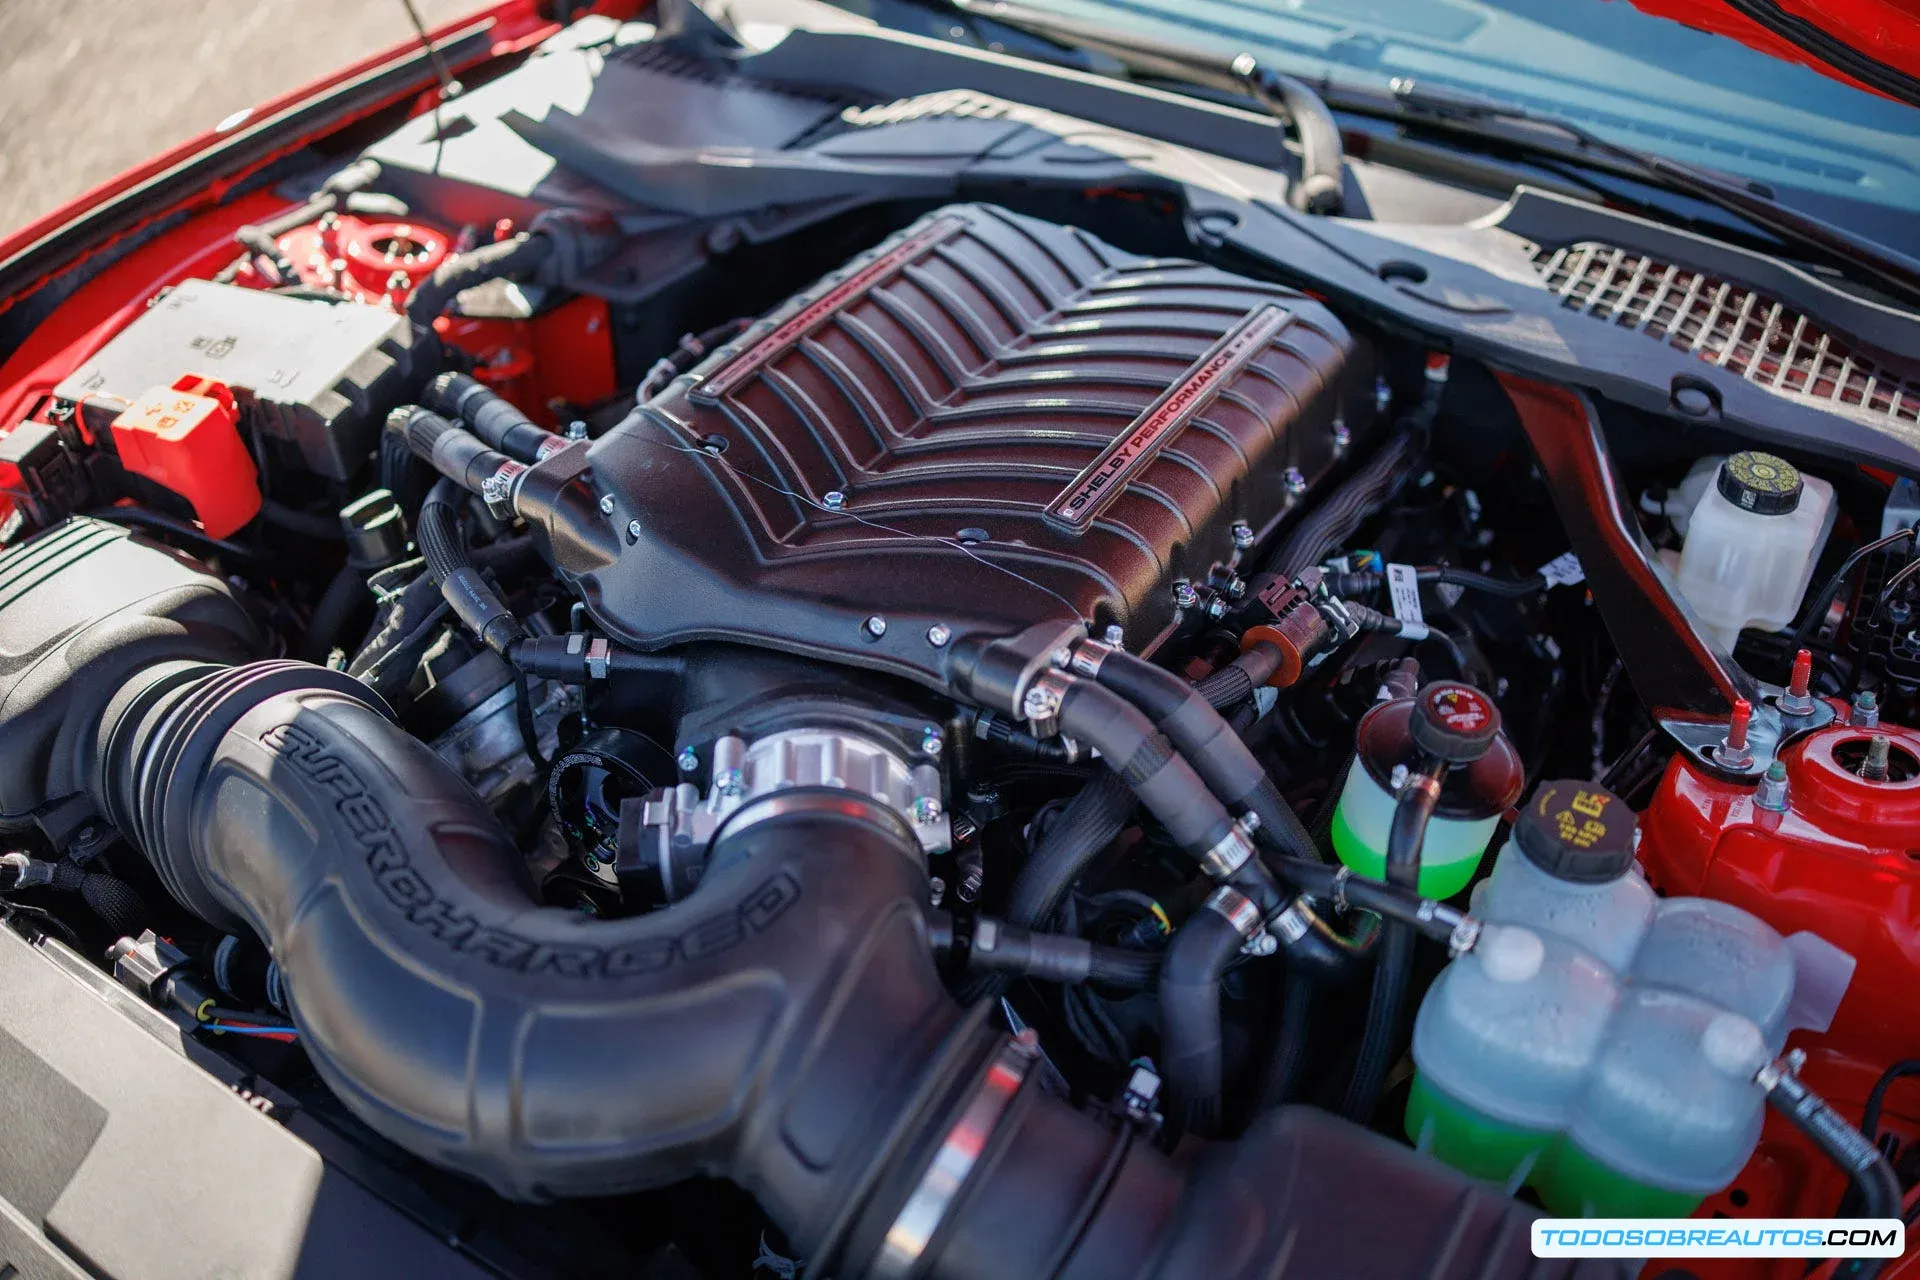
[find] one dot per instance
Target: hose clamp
(1340, 878)
(920, 1217)
(1231, 851)
(1237, 908)
(1088, 656)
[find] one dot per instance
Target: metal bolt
(576, 430)
(1771, 793)
(633, 530)
(938, 634)
(1236, 587)
(1242, 534)
(1382, 394)
(931, 740)
(1261, 944)
(833, 500)
(875, 626)
(732, 783)
(1115, 635)
(606, 505)
(1184, 595)
(1866, 710)
(927, 810)
(1041, 703)
(1061, 657)
(1217, 608)
(1879, 749)
(1342, 437)
(1295, 482)
(689, 760)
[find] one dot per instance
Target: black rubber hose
(1322, 185)
(1875, 1186)
(1235, 682)
(1002, 949)
(495, 420)
(1091, 821)
(1394, 970)
(462, 271)
(470, 596)
(1165, 783)
(344, 597)
(1191, 1057)
(1288, 1061)
(1877, 1098)
(449, 448)
(321, 528)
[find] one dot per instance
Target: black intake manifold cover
(986, 422)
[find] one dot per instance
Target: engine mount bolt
(1115, 635)
(606, 505)
(1184, 595)
(634, 530)
(1295, 481)
(875, 626)
(1771, 794)
(1242, 534)
(931, 740)
(938, 634)
(927, 810)
(1866, 710)
(833, 500)
(688, 760)
(1342, 437)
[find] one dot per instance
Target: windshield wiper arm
(1453, 108)
(1322, 185)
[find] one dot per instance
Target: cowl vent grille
(1759, 338)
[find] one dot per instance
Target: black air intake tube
(783, 1026)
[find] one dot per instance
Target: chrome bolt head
(927, 810)
(1242, 535)
(606, 505)
(634, 530)
(939, 634)
(1115, 635)
(1294, 480)
(576, 430)
(1184, 594)
(1382, 394)
(688, 760)
(875, 626)
(932, 740)
(833, 500)
(1342, 437)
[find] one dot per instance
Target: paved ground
(89, 88)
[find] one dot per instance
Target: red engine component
(565, 354)
(187, 438)
(1842, 859)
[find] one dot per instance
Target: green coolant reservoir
(1448, 720)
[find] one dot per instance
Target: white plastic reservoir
(1752, 541)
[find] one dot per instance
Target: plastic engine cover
(985, 422)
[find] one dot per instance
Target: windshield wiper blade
(1322, 185)
(1459, 110)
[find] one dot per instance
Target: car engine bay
(683, 667)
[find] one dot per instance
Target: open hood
(1871, 43)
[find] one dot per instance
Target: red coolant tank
(1842, 859)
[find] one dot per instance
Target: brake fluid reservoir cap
(1760, 483)
(1453, 721)
(1509, 953)
(1732, 1044)
(1578, 832)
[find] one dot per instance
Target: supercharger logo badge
(1083, 500)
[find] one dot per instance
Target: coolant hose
(1234, 683)
(1191, 1059)
(782, 1026)
(343, 598)
(1418, 797)
(1001, 948)
(1322, 186)
(1874, 1181)
(1289, 1058)
(472, 599)
(1091, 821)
(495, 420)
(462, 271)
(450, 448)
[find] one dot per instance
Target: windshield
(1638, 78)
